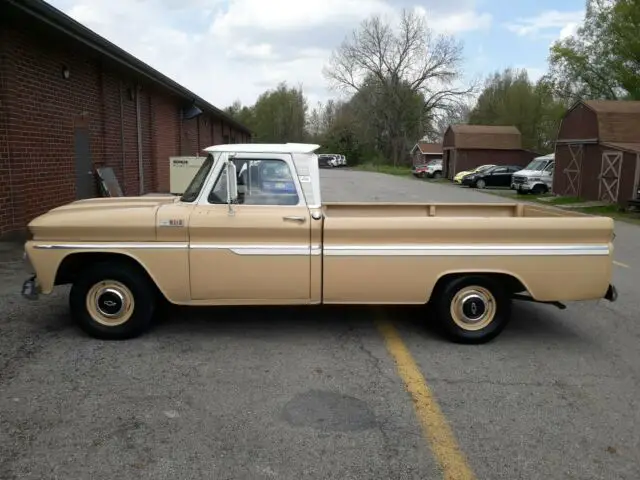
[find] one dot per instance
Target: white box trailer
(181, 172)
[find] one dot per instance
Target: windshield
(484, 167)
(193, 190)
(536, 165)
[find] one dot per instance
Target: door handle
(294, 219)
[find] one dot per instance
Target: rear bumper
(612, 294)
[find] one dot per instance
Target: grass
(380, 168)
(614, 212)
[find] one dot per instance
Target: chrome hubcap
(110, 302)
(473, 308)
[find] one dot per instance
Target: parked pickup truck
(261, 235)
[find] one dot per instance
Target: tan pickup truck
(251, 230)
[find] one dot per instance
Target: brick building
(71, 101)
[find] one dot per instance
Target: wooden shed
(598, 151)
(468, 146)
(423, 152)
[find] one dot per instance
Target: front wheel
(539, 189)
(473, 309)
(112, 301)
(437, 175)
(480, 184)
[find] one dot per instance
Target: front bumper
(31, 289)
(612, 294)
(520, 186)
(467, 181)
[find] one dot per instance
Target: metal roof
(483, 137)
(53, 17)
(264, 148)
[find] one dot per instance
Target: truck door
(259, 250)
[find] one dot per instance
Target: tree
(510, 98)
(241, 113)
(401, 78)
(440, 121)
(603, 59)
(278, 116)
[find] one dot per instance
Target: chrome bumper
(31, 289)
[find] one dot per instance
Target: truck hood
(101, 219)
(529, 173)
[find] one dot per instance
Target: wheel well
(75, 263)
(511, 283)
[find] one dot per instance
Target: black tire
(497, 310)
(437, 175)
(519, 191)
(123, 280)
(539, 189)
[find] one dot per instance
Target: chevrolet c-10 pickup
(251, 229)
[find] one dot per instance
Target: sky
(226, 50)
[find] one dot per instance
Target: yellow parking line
(620, 264)
(434, 425)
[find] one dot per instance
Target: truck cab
(536, 178)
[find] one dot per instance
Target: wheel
(437, 175)
(519, 191)
(473, 309)
(539, 189)
(480, 183)
(112, 301)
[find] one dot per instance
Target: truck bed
(443, 210)
(395, 253)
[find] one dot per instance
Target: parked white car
(537, 177)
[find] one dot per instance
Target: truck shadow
(528, 321)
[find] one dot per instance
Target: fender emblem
(172, 222)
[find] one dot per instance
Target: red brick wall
(166, 122)
(39, 111)
(6, 206)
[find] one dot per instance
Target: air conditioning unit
(181, 172)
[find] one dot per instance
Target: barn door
(573, 170)
(610, 176)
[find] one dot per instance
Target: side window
(499, 170)
(549, 168)
(260, 182)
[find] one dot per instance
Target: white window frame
(217, 170)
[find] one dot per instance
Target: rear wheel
(112, 301)
(472, 309)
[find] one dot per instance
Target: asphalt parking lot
(285, 393)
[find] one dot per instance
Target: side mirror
(232, 183)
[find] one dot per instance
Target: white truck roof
(264, 148)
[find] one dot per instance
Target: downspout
(122, 149)
(138, 127)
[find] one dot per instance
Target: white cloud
(235, 49)
(549, 24)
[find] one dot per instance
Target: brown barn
(468, 146)
(598, 151)
(424, 152)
